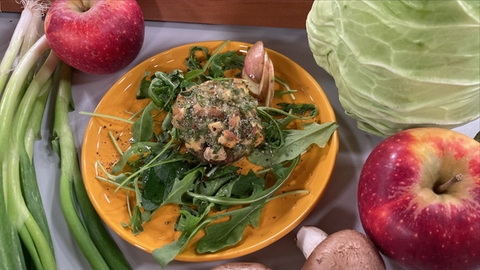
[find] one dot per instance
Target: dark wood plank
(269, 13)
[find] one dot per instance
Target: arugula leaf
(225, 61)
(284, 122)
(165, 87)
(244, 186)
(228, 233)
(140, 148)
(167, 253)
(274, 136)
(193, 62)
(211, 186)
(299, 109)
(181, 186)
(296, 142)
(280, 171)
(257, 194)
(278, 93)
(146, 216)
(229, 169)
(188, 224)
(142, 128)
(200, 73)
(120, 178)
(158, 182)
(273, 130)
(142, 91)
(217, 178)
(135, 221)
(193, 74)
(234, 61)
(167, 122)
(246, 183)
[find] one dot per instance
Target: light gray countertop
(336, 210)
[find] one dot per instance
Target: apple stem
(443, 187)
(83, 5)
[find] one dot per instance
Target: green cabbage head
(400, 64)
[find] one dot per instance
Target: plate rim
(333, 146)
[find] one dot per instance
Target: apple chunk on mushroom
(259, 74)
(346, 249)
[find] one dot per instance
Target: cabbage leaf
(400, 64)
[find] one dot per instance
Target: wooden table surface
(337, 208)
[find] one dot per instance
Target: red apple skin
(102, 40)
(402, 214)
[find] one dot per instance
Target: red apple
(97, 37)
(407, 211)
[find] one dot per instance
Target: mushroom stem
(308, 237)
(443, 187)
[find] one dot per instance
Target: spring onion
(32, 133)
(11, 256)
(31, 36)
(25, 240)
(10, 95)
(18, 212)
(15, 43)
(23, 39)
(96, 244)
(28, 177)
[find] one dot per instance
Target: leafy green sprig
(274, 127)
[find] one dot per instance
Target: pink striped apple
(419, 199)
(95, 36)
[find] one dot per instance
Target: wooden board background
(269, 13)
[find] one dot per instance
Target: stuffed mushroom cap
(218, 121)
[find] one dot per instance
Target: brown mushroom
(241, 266)
(346, 249)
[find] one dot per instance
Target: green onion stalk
(35, 237)
(13, 89)
(32, 133)
(87, 228)
(14, 46)
(24, 37)
(29, 18)
(32, 35)
(31, 192)
(11, 254)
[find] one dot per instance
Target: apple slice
(253, 87)
(263, 86)
(254, 62)
(260, 87)
(270, 85)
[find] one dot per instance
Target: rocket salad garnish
(163, 172)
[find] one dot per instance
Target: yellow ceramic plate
(279, 216)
